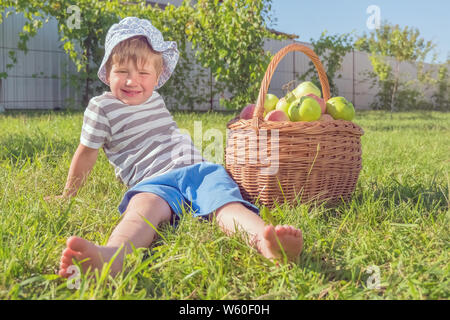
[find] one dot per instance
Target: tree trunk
(86, 89)
(394, 91)
(211, 90)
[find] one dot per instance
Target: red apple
(247, 112)
(326, 117)
(276, 115)
(322, 103)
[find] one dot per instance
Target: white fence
(36, 81)
(353, 83)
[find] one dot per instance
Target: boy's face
(132, 84)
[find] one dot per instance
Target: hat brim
(131, 27)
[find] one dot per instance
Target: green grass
(398, 221)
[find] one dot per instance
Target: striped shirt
(141, 141)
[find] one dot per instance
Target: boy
(143, 143)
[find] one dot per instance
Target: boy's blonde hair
(138, 50)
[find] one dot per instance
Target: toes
(63, 266)
(67, 255)
(294, 231)
(279, 230)
(63, 272)
(78, 244)
(286, 230)
(269, 232)
(283, 230)
(65, 261)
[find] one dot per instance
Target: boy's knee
(235, 205)
(149, 202)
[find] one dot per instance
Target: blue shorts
(202, 187)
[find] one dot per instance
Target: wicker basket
(276, 162)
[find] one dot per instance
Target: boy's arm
(82, 162)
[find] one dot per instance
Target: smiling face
(133, 71)
(132, 84)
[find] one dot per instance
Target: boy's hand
(82, 163)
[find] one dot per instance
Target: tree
(402, 45)
(226, 36)
(82, 41)
(331, 49)
(442, 95)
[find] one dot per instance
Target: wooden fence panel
(36, 80)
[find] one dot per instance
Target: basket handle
(259, 109)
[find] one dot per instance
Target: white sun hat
(131, 27)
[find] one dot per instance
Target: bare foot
(288, 237)
(95, 256)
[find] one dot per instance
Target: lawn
(390, 242)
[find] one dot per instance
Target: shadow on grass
(31, 142)
(424, 197)
(405, 201)
(406, 126)
(402, 115)
(325, 265)
(20, 147)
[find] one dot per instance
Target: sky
(308, 19)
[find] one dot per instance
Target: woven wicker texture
(293, 161)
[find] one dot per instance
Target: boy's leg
(234, 216)
(143, 211)
(132, 229)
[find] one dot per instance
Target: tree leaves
(331, 49)
(226, 37)
(402, 45)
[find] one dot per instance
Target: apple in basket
(340, 108)
(247, 112)
(326, 117)
(276, 115)
(305, 88)
(305, 109)
(270, 102)
(285, 102)
(322, 103)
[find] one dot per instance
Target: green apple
(340, 108)
(270, 102)
(305, 109)
(284, 103)
(305, 88)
